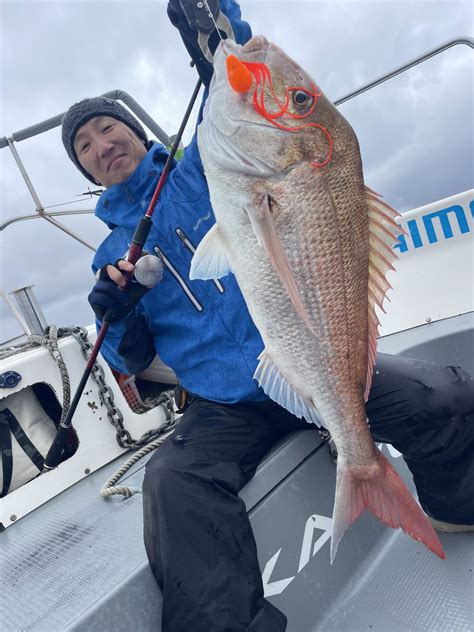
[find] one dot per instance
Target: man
(197, 534)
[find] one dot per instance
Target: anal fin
(277, 387)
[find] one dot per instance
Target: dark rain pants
(197, 533)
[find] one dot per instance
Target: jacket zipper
(191, 248)
(179, 278)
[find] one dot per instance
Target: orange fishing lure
(239, 77)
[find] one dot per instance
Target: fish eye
(301, 97)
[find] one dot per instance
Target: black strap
(5, 453)
(10, 422)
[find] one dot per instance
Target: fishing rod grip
(139, 238)
(53, 458)
(136, 247)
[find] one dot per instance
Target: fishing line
(239, 77)
(209, 12)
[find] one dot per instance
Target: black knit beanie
(81, 112)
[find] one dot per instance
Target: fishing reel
(148, 271)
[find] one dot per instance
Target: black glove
(196, 13)
(111, 303)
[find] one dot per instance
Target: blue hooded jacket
(201, 329)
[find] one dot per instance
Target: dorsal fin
(383, 234)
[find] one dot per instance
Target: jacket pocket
(167, 263)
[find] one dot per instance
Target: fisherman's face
(108, 149)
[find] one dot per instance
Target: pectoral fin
(211, 259)
(263, 224)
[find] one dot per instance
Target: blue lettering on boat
(437, 225)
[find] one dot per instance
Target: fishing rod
(135, 251)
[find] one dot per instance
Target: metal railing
(55, 121)
(51, 123)
(466, 40)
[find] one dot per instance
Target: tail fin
(384, 494)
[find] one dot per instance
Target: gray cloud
(415, 131)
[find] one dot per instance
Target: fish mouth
(255, 50)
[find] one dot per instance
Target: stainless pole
(34, 195)
(468, 41)
(55, 121)
(21, 218)
(30, 310)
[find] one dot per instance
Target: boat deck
(78, 562)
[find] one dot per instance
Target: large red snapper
(310, 247)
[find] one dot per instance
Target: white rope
(50, 341)
(109, 489)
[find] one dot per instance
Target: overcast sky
(415, 131)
